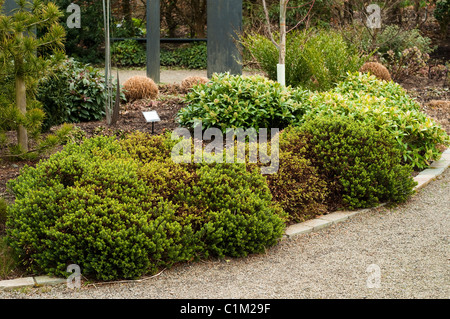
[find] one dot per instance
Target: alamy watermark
(74, 20)
(374, 279)
(374, 18)
(237, 141)
(74, 280)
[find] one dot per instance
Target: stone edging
(424, 177)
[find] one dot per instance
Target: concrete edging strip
(312, 225)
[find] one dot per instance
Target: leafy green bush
(94, 205)
(315, 59)
(387, 106)
(232, 101)
(128, 53)
(361, 163)
(87, 205)
(74, 93)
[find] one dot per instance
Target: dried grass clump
(140, 87)
(190, 81)
(441, 104)
(377, 69)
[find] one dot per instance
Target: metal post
(224, 26)
(153, 42)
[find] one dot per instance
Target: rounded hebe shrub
(365, 163)
(235, 208)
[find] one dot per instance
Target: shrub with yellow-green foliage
(387, 106)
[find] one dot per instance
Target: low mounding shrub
(298, 188)
(232, 101)
(74, 93)
(315, 59)
(361, 163)
(191, 56)
(387, 106)
(86, 205)
(377, 69)
(99, 206)
(140, 87)
(235, 208)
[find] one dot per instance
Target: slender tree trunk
(21, 103)
(283, 8)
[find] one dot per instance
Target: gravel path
(167, 76)
(409, 243)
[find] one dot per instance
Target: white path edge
(423, 178)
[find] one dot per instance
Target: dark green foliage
(232, 101)
(3, 207)
(190, 57)
(74, 93)
(362, 162)
(128, 53)
(95, 205)
(442, 15)
(236, 210)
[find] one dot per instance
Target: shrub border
(313, 225)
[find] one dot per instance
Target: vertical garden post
(153, 40)
(224, 26)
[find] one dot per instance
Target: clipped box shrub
(387, 106)
(233, 101)
(98, 205)
(360, 163)
(87, 205)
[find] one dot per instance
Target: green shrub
(315, 59)
(298, 188)
(361, 163)
(128, 53)
(235, 208)
(74, 93)
(3, 207)
(95, 205)
(387, 106)
(232, 101)
(86, 205)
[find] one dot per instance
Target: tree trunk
(21, 103)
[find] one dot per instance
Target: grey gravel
(410, 244)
